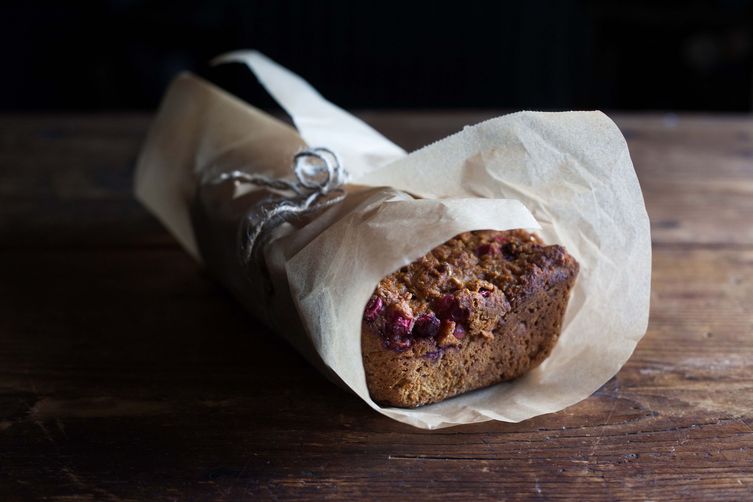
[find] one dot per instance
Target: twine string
(319, 178)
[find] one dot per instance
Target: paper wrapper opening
(566, 175)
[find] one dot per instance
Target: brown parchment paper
(567, 175)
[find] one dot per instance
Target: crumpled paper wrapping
(566, 175)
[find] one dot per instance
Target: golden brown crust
(482, 308)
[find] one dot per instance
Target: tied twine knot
(319, 177)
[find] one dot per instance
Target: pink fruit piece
(373, 308)
(459, 332)
(447, 307)
(485, 293)
(491, 248)
(443, 306)
(426, 326)
(399, 324)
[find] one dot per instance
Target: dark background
(641, 55)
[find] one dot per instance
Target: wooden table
(125, 372)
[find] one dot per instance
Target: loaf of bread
(484, 307)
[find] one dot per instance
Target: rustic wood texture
(125, 372)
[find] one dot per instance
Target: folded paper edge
(315, 117)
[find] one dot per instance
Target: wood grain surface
(127, 373)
